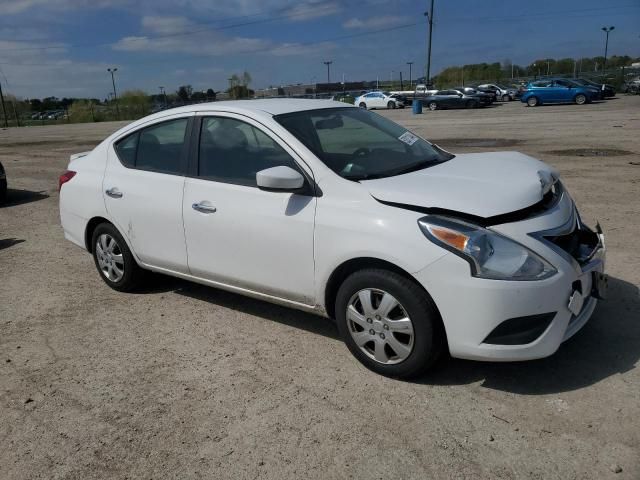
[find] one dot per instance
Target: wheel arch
(346, 268)
(90, 228)
(93, 223)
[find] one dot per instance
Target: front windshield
(361, 145)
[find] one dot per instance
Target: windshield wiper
(411, 168)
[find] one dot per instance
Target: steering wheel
(361, 152)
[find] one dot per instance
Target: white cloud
(379, 21)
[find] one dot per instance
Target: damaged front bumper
(523, 320)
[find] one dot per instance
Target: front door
(236, 233)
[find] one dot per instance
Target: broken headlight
(490, 254)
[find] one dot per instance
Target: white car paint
(284, 247)
(454, 185)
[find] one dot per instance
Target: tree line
(503, 72)
(130, 104)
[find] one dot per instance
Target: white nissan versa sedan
(336, 210)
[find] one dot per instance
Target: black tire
(133, 274)
(580, 99)
(363, 105)
(3, 191)
(471, 104)
(432, 106)
(429, 338)
(391, 105)
(533, 102)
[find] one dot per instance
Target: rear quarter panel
(81, 198)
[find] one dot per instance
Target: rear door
(238, 234)
(143, 187)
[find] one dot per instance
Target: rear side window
(157, 148)
(126, 150)
(232, 151)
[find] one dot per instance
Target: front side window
(157, 148)
(232, 151)
(360, 145)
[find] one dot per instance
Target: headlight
(490, 254)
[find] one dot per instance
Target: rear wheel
(114, 260)
(363, 105)
(391, 105)
(433, 106)
(580, 99)
(389, 323)
(532, 101)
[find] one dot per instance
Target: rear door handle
(203, 208)
(113, 192)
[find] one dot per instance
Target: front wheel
(114, 260)
(433, 106)
(363, 105)
(389, 323)
(391, 105)
(580, 99)
(532, 101)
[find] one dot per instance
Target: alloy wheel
(380, 326)
(110, 258)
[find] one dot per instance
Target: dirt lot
(183, 381)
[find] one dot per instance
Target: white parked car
(332, 209)
(373, 100)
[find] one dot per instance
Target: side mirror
(280, 178)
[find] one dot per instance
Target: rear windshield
(359, 145)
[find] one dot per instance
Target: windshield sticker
(408, 138)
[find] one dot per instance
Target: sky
(63, 47)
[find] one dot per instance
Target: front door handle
(113, 192)
(203, 208)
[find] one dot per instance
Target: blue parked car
(557, 91)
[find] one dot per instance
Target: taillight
(65, 177)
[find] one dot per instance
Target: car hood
(480, 184)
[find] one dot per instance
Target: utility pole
(401, 86)
(410, 78)
(4, 111)
(164, 95)
(429, 16)
(328, 64)
(606, 47)
(115, 95)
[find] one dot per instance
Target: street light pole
(410, 82)
(328, 63)
(606, 47)
(429, 16)
(4, 111)
(164, 95)
(115, 95)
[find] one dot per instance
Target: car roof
(272, 106)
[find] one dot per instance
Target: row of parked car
(49, 115)
(548, 90)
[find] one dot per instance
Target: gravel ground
(183, 381)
